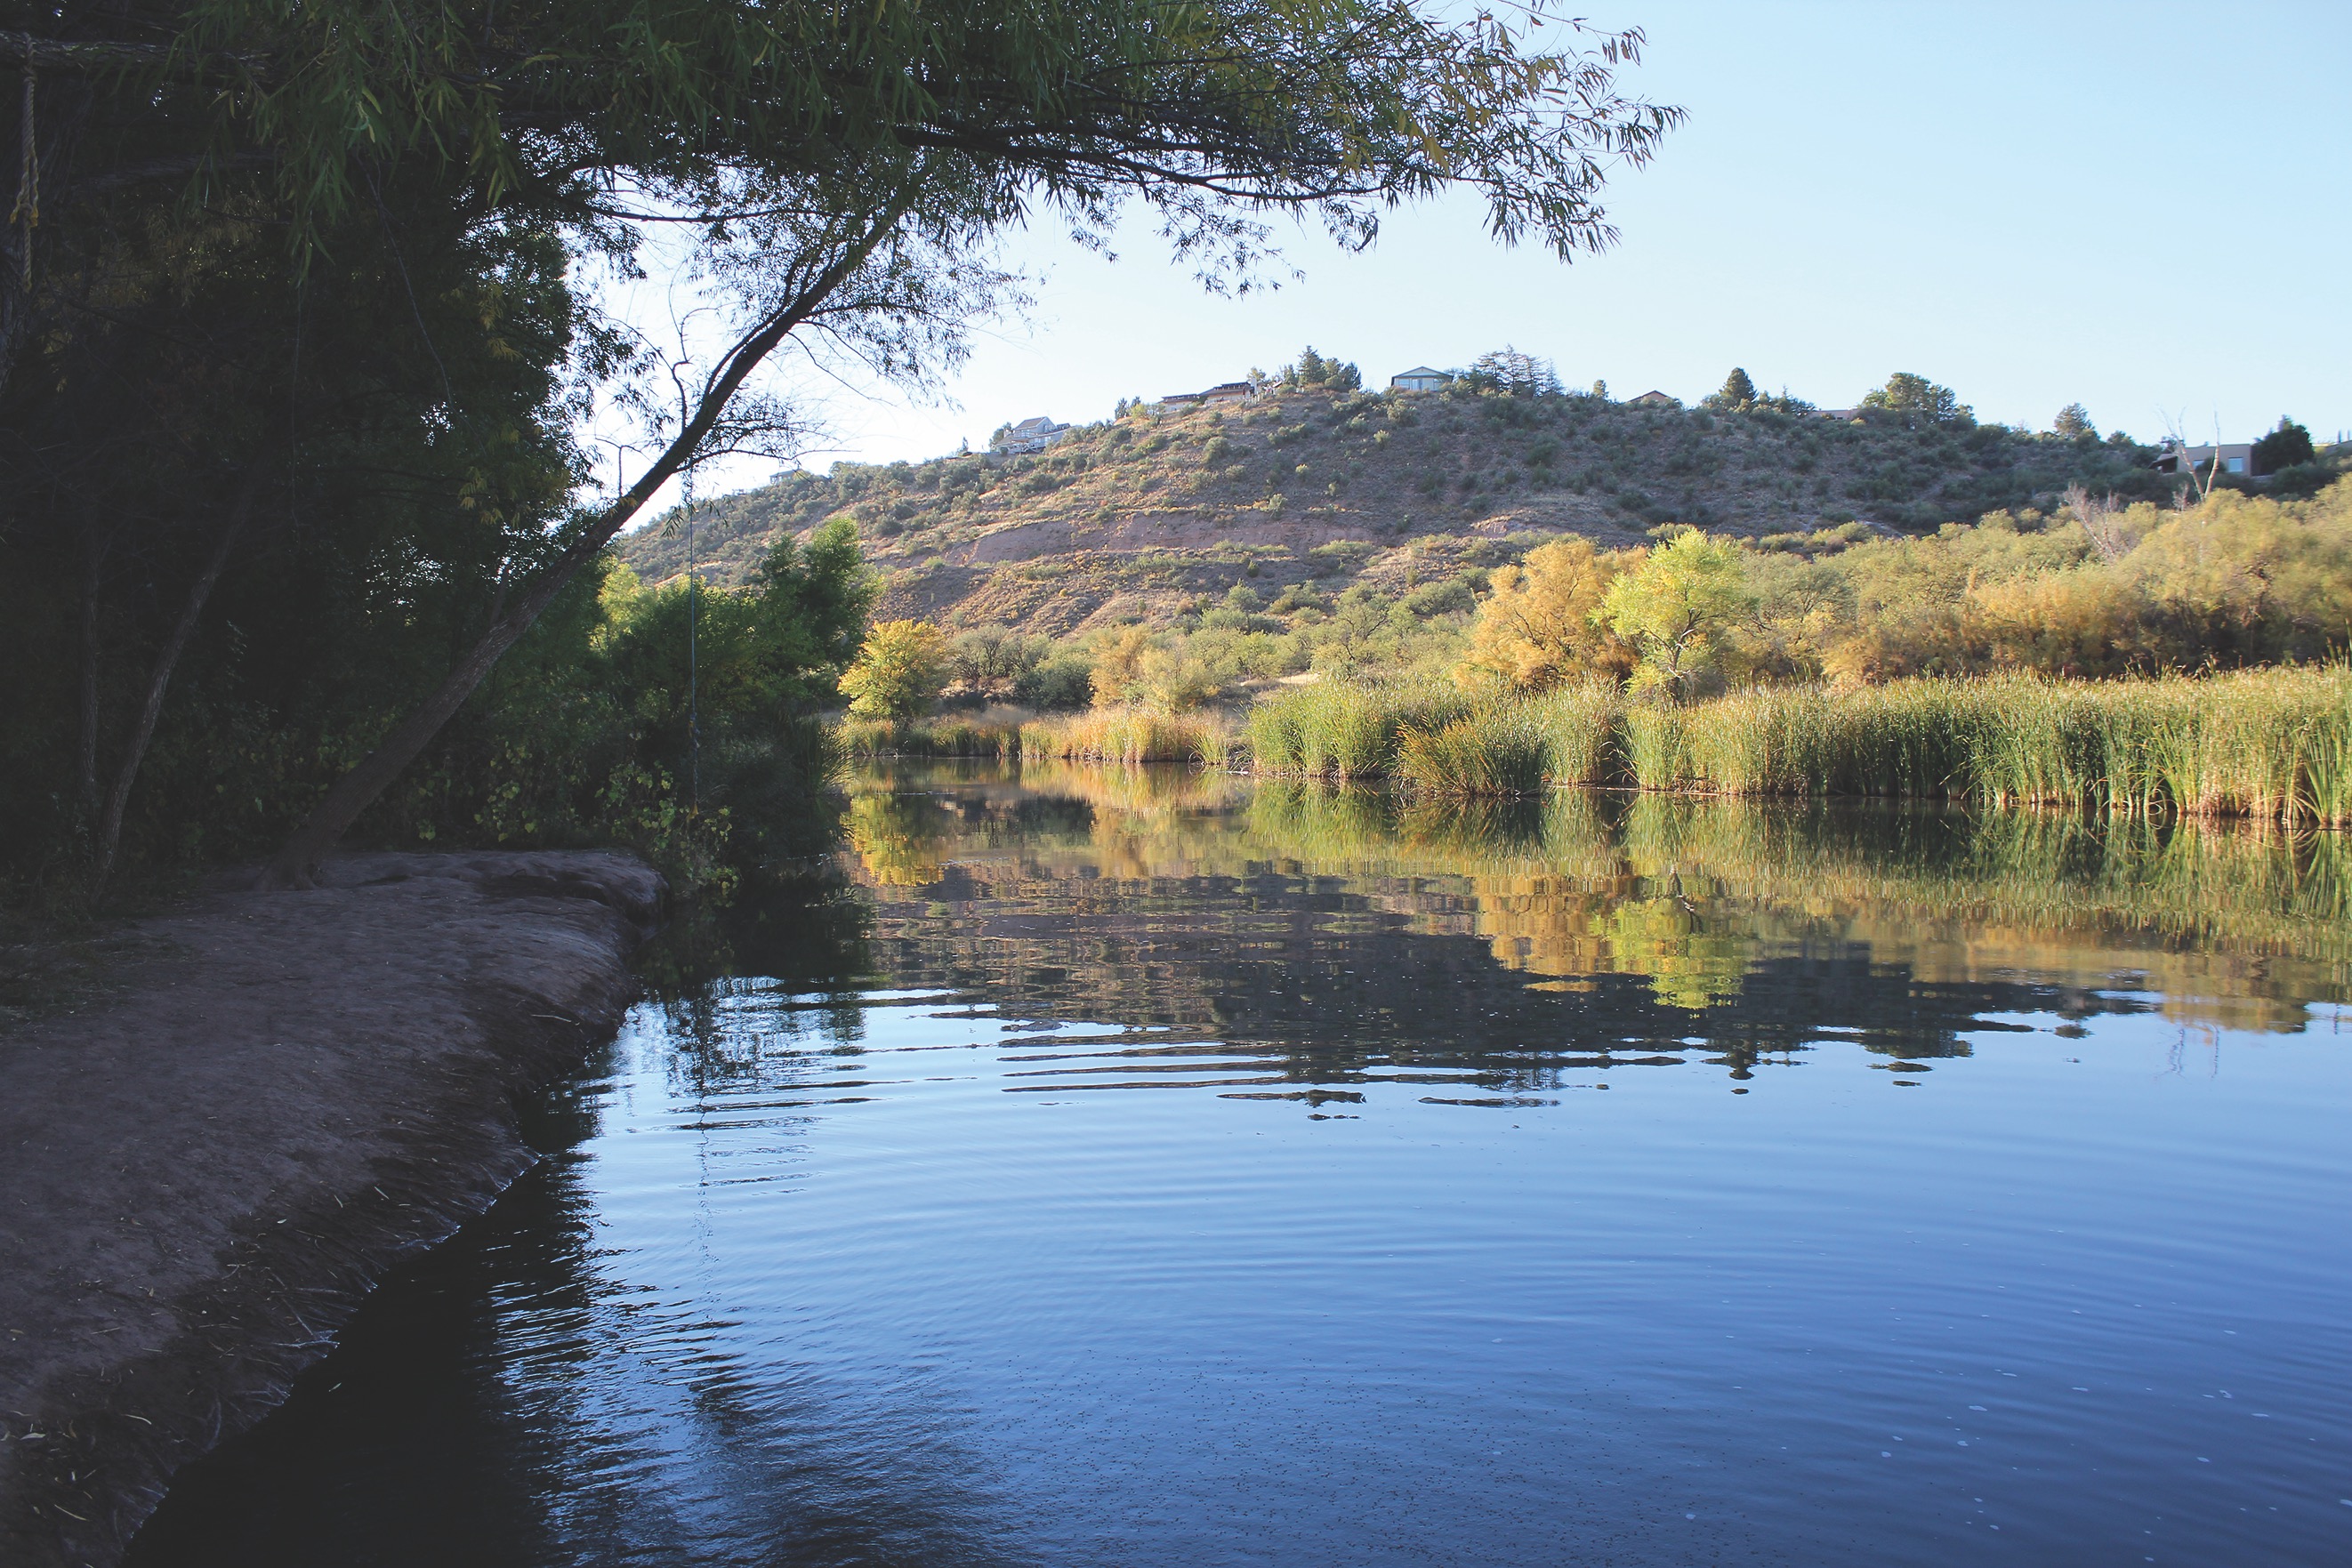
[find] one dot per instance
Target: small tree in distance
(899, 671)
(1312, 370)
(1507, 369)
(2073, 423)
(1915, 400)
(2287, 446)
(1739, 393)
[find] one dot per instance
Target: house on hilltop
(1218, 396)
(2233, 457)
(1420, 379)
(1654, 399)
(1029, 436)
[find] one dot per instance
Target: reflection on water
(1527, 1184)
(1298, 919)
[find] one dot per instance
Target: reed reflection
(1332, 936)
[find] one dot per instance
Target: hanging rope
(693, 694)
(27, 209)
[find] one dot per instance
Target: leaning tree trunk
(134, 753)
(357, 790)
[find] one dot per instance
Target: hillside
(1132, 520)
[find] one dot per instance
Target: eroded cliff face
(202, 1178)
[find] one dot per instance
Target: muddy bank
(201, 1177)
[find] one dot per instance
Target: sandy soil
(283, 1094)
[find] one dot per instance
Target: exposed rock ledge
(200, 1180)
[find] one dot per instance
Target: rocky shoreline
(202, 1178)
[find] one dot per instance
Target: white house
(1420, 379)
(1029, 436)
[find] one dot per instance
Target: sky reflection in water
(1601, 1180)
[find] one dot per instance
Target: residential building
(1029, 436)
(2236, 458)
(1654, 400)
(1420, 379)
(1218, 396)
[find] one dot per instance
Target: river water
(1147, 1168)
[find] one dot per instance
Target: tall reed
(2272, 744)
(942, 736)
(1345, 729)
(1124, 735)
(1496, 748)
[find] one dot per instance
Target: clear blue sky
(2139, 206)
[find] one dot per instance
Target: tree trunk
(109, 837)
(356, 791)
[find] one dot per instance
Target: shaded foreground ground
(200, 1179)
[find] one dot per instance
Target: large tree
(837, 173)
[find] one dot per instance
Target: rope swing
(27, 209)
(693, 693)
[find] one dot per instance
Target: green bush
(1063, 681)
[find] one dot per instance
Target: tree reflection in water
(1336, 935)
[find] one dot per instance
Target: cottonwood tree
(899, 672)
(1679, 609)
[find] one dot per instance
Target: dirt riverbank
(285, 1092)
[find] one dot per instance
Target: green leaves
(1679, 608)
(1207, 110)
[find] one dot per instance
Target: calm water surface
(1151, 1170)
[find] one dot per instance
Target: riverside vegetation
(2271, 744)
(2127, 658)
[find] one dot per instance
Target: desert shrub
(1452, 597)
(989, 662)
(1064, 680)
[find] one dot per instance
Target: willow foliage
(1207, 109)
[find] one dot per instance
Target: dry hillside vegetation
(1133, 521)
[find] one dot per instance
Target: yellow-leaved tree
(899, 671)
(1543, 625)
(1679, 609)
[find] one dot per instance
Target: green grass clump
(2273, 744)
(1347, 729)
(929, 737)
(1577, 726)
(1124, 735)
(1496, 748)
